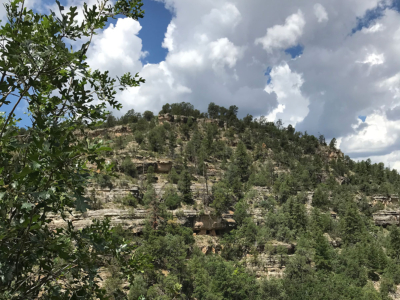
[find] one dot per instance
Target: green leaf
(25, 171)
(27, 206)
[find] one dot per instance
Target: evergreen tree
(243, 161)
(172, 143)
(232, 179)
(320, 198)
(394, 242)
(323, 252)
(222, 198)
(332, 144)
(353, 227)
(184, 185)
(150, 178)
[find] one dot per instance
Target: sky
(326, 67)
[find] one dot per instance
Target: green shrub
(149, 196)
(128, 167)
(173, 201)
(104, 181)
(139, 137)
(129, 200)
(150, 175)
(180, 213)
(173, 177)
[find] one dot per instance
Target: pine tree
(323, 252)
(172, 143)
(352, 225)
(394, 242)
(243, 161)
(320, 198)
(184, 184)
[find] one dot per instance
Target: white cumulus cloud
(320, 12)
(118, 49)
(283, 36)
(293, 106)
(220, 51)
(224, 52)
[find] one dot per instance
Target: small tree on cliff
(184, 183)
(333, 143)
(243, 161)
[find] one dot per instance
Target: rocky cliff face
(207, 227)
(386, 217)
(134, 220)
(162, 118)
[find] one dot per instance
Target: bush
(128, 167)
(129, 200)
(139, 137)
(138, 288)
(173, 201)
(222, 198)
(173, 177)
(94, 202)
(150, 175)
(119, 143)
(149, 196)
(104, 181)
(148, 115)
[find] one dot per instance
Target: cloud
(320, 12)
(293, 106)
(283, 36)
(118, 48)
(224, 52)
(168, 42)
(393, 114)
(374, 59)
(374, 28)
(221, 50)
(228, 15)
(377, 138)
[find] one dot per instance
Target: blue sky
(154, 24)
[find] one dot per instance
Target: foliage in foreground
(44, 171)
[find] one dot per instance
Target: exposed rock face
(205, 224)
(133, 220)
(334, 242)
(385, 200)
(335, 154)
(329, 153)
(265, 265)
(212, 225)
(212, 121)
(159, 166)
(107, 195)
(342, 180)
(386, 217)
(271, 264)
(120, 129)
(164, 166)
(184, 119)
(165, 118)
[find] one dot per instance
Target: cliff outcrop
(386, 217)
